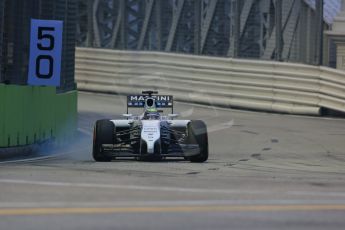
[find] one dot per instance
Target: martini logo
(162, 101)
(142, 98)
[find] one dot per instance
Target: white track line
(130, 187)
(43, 204)
(47, 157)
(168, 189)
(33, 159)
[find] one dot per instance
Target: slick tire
(197, 133)
(104, 131)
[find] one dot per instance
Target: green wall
(31, 114)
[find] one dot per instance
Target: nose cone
(150, 133)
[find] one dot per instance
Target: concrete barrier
(226, 82)
(31, 115)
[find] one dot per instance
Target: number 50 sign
(45, 52)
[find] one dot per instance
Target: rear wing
(138, 101)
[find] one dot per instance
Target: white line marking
(131, 187)
(168, 189)
(34, 159)
(165, 203)
(46, 157)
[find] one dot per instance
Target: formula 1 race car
(151, 135)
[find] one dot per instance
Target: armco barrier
(31, 115)
(249, 84)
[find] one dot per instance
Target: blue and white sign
(45, 52)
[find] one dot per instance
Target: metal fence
(15, 18)
(284, 30)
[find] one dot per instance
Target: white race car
(151, 135)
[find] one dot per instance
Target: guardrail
(226, 82)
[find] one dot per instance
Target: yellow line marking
(154, 209)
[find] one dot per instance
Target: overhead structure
(286, 30)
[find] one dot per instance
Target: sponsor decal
(162, 101)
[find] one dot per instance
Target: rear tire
(103, 134)
(197, 133)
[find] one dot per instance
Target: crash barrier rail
(30, 115)
(237, 83)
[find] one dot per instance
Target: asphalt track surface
(265, 171)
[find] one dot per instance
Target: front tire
(197, 133)
(103, 134)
